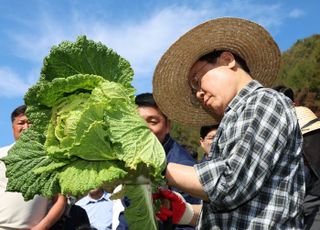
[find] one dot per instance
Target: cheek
(211, 85)
(156, 129)
(217, 80)
(17, 128)
(207, 148)
(161, 132)
(153, 129)
(16, 132)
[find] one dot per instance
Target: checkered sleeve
(245, 153)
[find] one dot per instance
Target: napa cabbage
(86, 132)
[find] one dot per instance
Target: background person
(310, 127)
(99, 207)
(15, 213)
(160, 126)
(211, 75)
(207, 134)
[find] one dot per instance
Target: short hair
(145, 99)
(285, 90)
(212, 58)
(18, 111)
(204, 130)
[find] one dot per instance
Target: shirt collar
(245, 92)
(105, 196)
(167, 143)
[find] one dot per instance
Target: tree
(300, 70)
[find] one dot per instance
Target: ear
(228, 59)
(201, 142)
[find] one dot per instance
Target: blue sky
(138, 30)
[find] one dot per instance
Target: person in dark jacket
(160, 126)
(310, 127)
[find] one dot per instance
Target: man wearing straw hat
(254, 176)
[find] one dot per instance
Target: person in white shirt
(15, 213)
(99, 208)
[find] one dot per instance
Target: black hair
(212, 58)
(204, 130)
(18, 111)
(145, 99)
(285, 90)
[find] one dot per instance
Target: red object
(177, 203)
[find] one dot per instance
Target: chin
(213, 112)
(218, 112)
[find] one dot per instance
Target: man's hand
(180, 211)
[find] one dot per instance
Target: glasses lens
(194, 83)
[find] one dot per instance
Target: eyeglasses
(209, 138)
(195, 79)
(194, 82)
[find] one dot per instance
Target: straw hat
(308, 121)
(242, 37)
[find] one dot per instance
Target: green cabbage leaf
(85, 132)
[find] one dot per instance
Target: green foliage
(25, 156)
(141, 206)
(86, 57)
(188, 137)
(300, 70)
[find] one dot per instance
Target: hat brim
(242, 37)
(305, 115)
(313, 127)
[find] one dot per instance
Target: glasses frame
(194, 80)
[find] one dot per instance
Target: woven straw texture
(305, 115)
(242, 37)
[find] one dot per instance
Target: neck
(244, 79)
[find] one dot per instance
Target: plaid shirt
(254, 178)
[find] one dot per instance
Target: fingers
(156, 196)
(169, 195)
(166, 194)
(164, 214)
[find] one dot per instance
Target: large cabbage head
(85, 129)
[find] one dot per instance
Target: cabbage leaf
(86, 132)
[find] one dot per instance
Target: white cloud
(137, 41)
(144, 42)
(141, 42)
(296, 13)
(11, 85)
